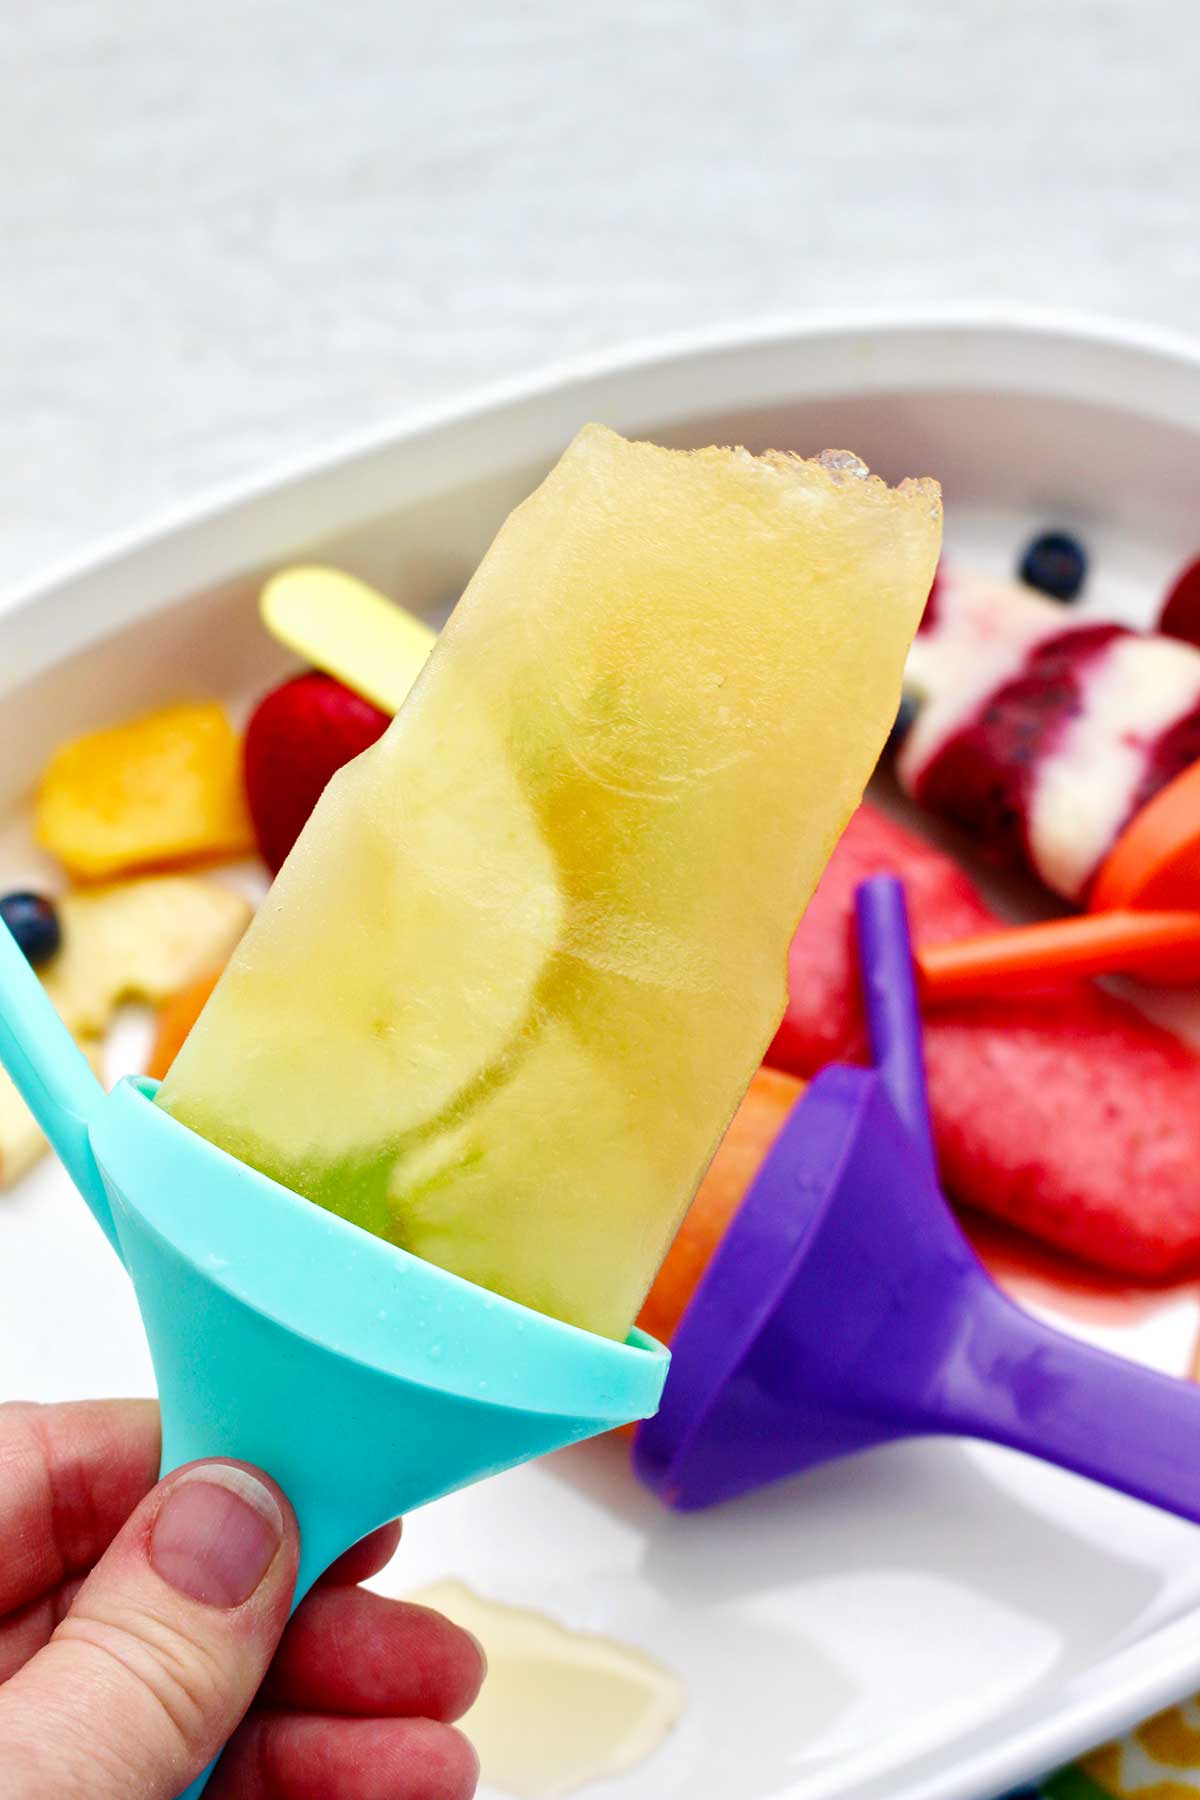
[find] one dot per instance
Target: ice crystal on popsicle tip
(508, 989)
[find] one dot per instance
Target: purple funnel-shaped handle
(845, 1308)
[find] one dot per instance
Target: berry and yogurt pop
(1040, 737)
(509, 987)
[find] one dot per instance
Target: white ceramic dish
(930, 1622)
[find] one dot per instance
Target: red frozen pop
(1069, 1114)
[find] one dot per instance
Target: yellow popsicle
(505, 995)
(346, 628)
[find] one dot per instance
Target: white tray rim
(1133, 350)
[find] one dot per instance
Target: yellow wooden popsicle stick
(344, 627)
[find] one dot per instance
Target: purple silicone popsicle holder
(844, 1307)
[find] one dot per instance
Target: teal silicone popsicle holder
(365, 1381)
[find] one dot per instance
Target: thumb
(164, 1645)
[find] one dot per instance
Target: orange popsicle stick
(1162, 947)
(1156, 860)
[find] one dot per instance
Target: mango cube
(508, 989)
(164, 789)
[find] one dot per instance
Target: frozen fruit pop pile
(1042, 736)
(510, 985)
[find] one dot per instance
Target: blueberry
(33, 921)
(910, 706)
(1055, 564)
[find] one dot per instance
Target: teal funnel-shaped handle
(364, 1380)
(52, 1075)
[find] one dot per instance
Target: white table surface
(229, 232)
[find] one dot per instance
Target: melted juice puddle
(560, 1708)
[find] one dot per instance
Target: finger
(350, 1651)
(277, 1754)
(160, 1655)
(365, 1558)
(31, 1627)
(72, 1475)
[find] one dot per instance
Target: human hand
(137, 1623)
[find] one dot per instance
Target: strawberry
(299, 735)
(1180, 615)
